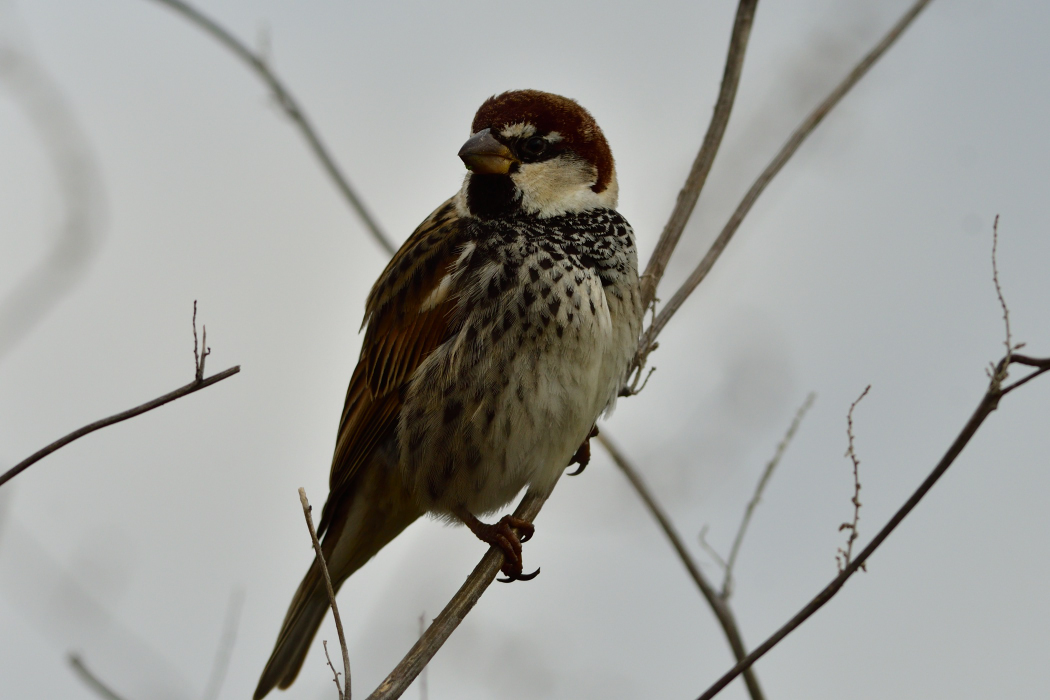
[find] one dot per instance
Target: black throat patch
(492, 196)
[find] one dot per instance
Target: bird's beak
(484, 155)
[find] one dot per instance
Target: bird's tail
(372, 512)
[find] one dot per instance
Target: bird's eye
(534, 146)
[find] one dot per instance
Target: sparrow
(494, 339)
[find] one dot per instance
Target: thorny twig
(343, 694)
(198, 383)
(843, 556)
(259, 63)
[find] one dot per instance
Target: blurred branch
(842, 558)
(705, 158)
(198, 383)
(91, 680)
(259, 65)
(797, 138)
(718, 605)
(449, 618)
(343, 695)
(727, 581)
(79, 186)
(989, 402)
(221, 664)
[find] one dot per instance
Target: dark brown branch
(291, 107)
(718, 605)
(988, 404)
(190, 388)
(727, 581)
(797, 138)
(449, 618)
(91, 680)
(705, 158)
(343, 694)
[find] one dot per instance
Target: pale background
(867, 261)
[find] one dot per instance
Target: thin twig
(797, 138)
(727, 581)
(988, 404)
(705, 158)
(335, 674)
(720, 607)
(343, 695)
(186, 390)
(449, 618)
(843, 556)
(91, 680)
(221, 664)
(258, 63)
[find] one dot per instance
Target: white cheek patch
(560, 186)
(517, 131)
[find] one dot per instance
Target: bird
(494, 339)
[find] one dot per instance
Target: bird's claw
(583, 454)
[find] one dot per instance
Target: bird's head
(537, 154)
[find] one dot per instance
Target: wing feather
(410, 312)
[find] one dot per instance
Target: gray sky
(867, 261)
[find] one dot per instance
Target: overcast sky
(866, 261)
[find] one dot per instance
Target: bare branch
(79, 187)
(719, 606)
(343, 695)
(705, 158)
(186, 390)
(221, 664)
(449, 618)
(988, 404)
(843, 557)
(91, 680)
(727, 581)
(797, 138)
(198, 383)
(335, 674)
(259, 65)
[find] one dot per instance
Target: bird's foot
(583, 455)
(506, 536)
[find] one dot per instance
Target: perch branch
(718, 605)
(989, 402)
(343, 694)
(259, 65)
(797, 138)
(449, 618)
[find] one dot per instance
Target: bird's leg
(504, 536)
(583, 455)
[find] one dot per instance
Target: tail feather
(372, 514)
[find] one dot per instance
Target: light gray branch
(790, 147)
(291, 107)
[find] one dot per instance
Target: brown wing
(409, 313)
